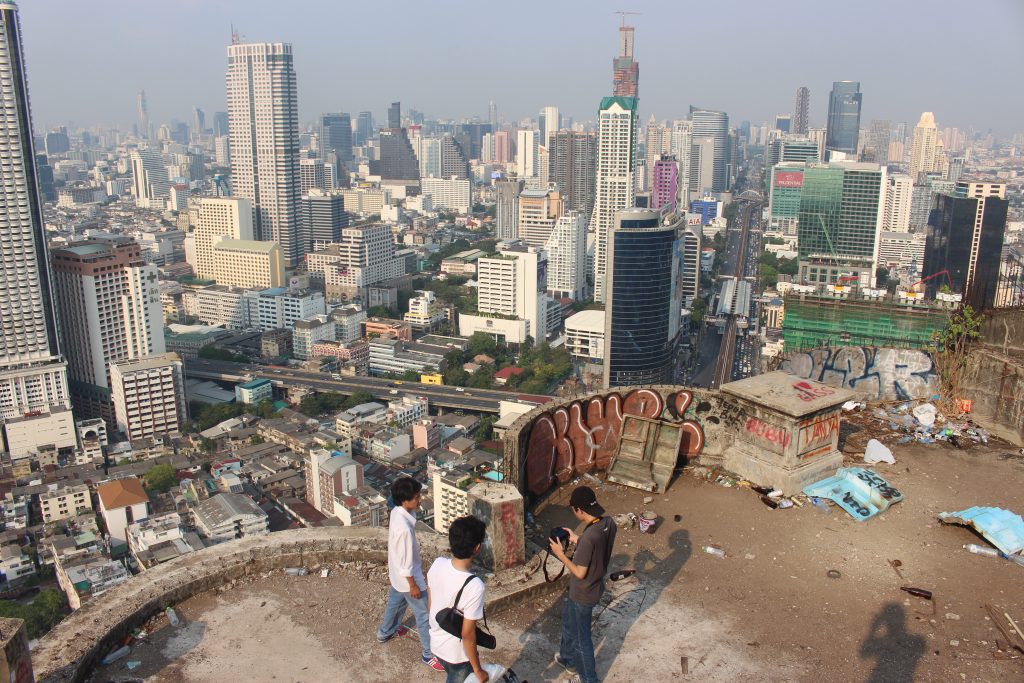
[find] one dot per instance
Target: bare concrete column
(16, 666)
(500, 507)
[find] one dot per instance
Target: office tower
(220, 123)
(198, 122)
(455, 194)
(644, 298)
(567, 256)
(818, 136)
(783, 122)
(618, 129)
(248, 264)
(625, 70)
(515, 284)
(398, 164)
(470, 136)
(108, 303)
(149, 396)
(142, 111)
(966, 229)
(665, 183)
(502, 147)
(690, 238)
(790, 148)
(841, 211)
(453, 160)
(538, 211)
(714, 125)
(150, 184)
(956, 169)
(898, 197)
(486, 149)
(335, 136)
(219, 218)
(507, 212)
(681, 148)
(311, 175)
(801, 111)
(47, 189)
(702, 166)
(428, 154)
(657, 141)
(323, 219)
(222, 151)
(572, 159)
(549, 121)
(264, 130)
(876, 148)
(57, 141)
(927, 154)
(492, 115)
(526, 153)
(843, 126)
(364, 128)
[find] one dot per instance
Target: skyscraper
(567, 256)
(645, 258)
(618, 128)
(550, 121)
(336, 137)
(109, 304)
(657, 141)
(801, 111)
(507, 217)
(708, 123)
(219, 218)
(142, 111)
(264, 128)
(35, 407)
(843, 127)
(625, 70)
(966, 230)
(526, 153)
(220, 123)
(877, 147)
(398, 164)
(665, 183)
(572, 159)
(150, 184)
(927, 154)
(198, 122)
(364, 128)
(453, 159)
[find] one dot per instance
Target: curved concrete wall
(70, 651)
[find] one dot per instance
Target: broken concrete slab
(1002, 528)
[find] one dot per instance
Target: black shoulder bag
(450, 619)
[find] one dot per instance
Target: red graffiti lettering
(808, 392)
(511, 534)
(818, 431)
(770, 433)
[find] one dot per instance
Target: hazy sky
(447, 58)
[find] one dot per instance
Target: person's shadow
(620, 607)
(896, 650)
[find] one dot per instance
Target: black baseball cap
(583, 498)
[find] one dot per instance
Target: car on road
(459, 389)
(393, 391)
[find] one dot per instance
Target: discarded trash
(965, 405)
(714, 550)
(919, 592)
(992, 552)
(116, 655)
(770, 502)
(172, 616)
(648, 500)
(626, 520)
(925, 414)
(820, 504)
(1002, 528)
(133, 664)
(325, 572)
(785, 503)
(296, 571)
(684, 662)
(677, 518)
(647, 522)
(860, 492)
(833, 574)
(496, 673)
(775, 493)
(852, 405)
(621, 574)
(877, 452)
(896, 564)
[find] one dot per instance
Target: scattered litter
(749, 556)
(677, 518)
(852, 405)
(714, 550)
(954, 643)
(684, 662)
(648, 500)
(877, 452)
(593, 481)
(822, 504)
(621, 574)
(925, 414)
(296, 571)
(896, 564)
(952, 617)
(918, 592)
(325, 572)
(625, 520)
(116, 655)
(862, 493)
(775, 493)
(833, 574)
(133, 664)
(1002, 528)
(647, 522)
(172, 616)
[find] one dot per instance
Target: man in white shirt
(458, 656)
(405, 569)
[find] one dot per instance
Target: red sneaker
(433, 664)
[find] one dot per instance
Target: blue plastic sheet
(862, 493)
(1002, 528)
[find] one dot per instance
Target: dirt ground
(768, 611)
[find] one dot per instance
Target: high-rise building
(927, 154)
(150, 184)
(109, 308)
(149, 396)
(507, 213)
(572, 159)
(323, 219)
(538, 211)
(311, 175)
(783, 123)
(644, 298)
(876, 149)
(527, 142)
(219, 218)
(841, 212)
(335, 136)
(567, 256)
(452, 157)
(681, 149)
(690, 240)
(515, 284)
(618, 129)
(34, 402)
(222, 151)
(712, 124)
(657, 141)
(198, 122)
(665, 183)
(248, 264)
(264, 128)
(364, 128)
(966, 230)
(801, 111)
(142, 111)
(220, 123)
(398, 164)
(843, 127)
(898, 196)
(625, 70)
(502, 147)
(549, 121)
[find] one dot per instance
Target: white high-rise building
(149, 396)
(618, 128)
(512, 285)
(35, 406)
(567, 256)
(311, 175)
(150, 185)
(222, 150)
(263, 122)
(657, 141)
(681, 142)
(899, 190)
(526, 153)
(550, 121)
(219, 218)
(927, 154)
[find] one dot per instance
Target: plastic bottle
(717, 552)
(172, 616)
(981, 550)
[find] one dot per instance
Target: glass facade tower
(843, 128)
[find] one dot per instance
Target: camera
(561, 535)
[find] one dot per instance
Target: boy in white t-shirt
(445, 579)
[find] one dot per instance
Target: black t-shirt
(593, 551)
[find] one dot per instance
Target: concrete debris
(862, 493)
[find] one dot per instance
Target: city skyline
(579, 43)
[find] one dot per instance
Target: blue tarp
(1002, 528)
(860, 492)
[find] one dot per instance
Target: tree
(769, 276)
(208, 446)
(950, 357)
(481, 342)
(214, 353)
(730, 211)
(381, 312)
(41, 615)
(161, 478)
(256, 440)
(788, 266)
(410, 376)
(485, 431)
(882, 277)
(699, 308)
(357, 398)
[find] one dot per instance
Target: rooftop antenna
(235, 38)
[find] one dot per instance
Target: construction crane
(623, 13)
(949, 280)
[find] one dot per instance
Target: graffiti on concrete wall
(773, 434)
(818, 435)
(584, 435)
(874, 373)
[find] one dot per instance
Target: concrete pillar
(500, 507)
(16, 665)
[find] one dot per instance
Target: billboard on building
(789, 179)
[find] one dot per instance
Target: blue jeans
(577, 646)
(394, 613)
(457, 673)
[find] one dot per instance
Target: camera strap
(544, 566)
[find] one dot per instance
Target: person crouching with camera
(587, 569)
